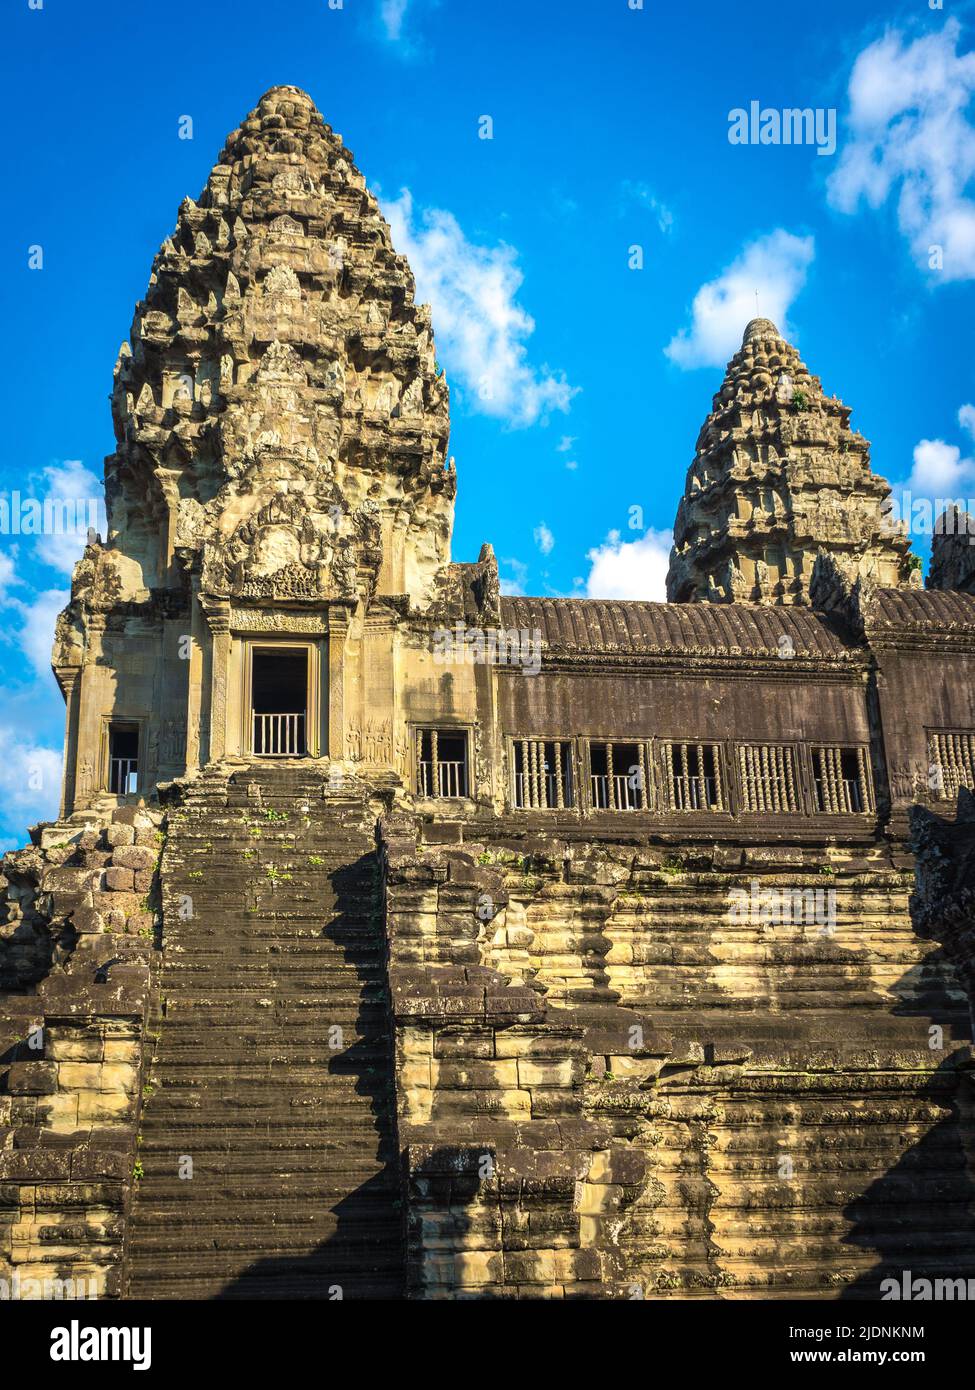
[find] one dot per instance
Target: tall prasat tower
(282, 430)
(778, 476)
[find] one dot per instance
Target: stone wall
(71, 1052)
(607, 1087)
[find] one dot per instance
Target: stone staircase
(272, 1079)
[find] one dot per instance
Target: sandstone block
(119, 834)
(32, 1078)
(134, 857)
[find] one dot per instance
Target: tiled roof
(605, 625)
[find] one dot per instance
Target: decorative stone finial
(760, 328)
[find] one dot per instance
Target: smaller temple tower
(953, 552)
(777, 477)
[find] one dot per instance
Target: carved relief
(376, 744)
(298, 546)
(277, 620)
(172, 740)
(282, 283)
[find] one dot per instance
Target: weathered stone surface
(581, 969)
(779, 476)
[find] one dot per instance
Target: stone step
(208, 951)
(210, 1104)
(289, 1200)
(369, 1017)
(355, 1244)
(277, 1190)
(296, 1172)
(290, 1280)
(232, 1151)
(191, 1058)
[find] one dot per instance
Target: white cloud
(938, 469)
(75, 500)
(30, 778)
(36, 637)
(643, 196)
(630, 569)
(8, 575)
(565, 444)
(571, 465)
(514, 586)
(392, 14)
(775, 265)
(544, 538)
(910, 134)
(481, 328)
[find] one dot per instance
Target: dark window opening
(839, 776)
(279, 702)
(951, 762)
(123, 759)
(617, 776)
(441, 763)
(693, 777)
(543, 775)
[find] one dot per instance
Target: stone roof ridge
(637, 625)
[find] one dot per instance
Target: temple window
(123, 759)
(279, 701)
(951, 759)
(692, 777)
(767, 777)
(441, 763)
(841, 780)
(618, 777)
(542, 774)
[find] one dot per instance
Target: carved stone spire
(280, 410)
(953, 552)
(779, 476)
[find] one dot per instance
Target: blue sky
(610, 131)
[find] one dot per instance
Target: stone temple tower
(368, 873)
(281, 428)
(777, 477)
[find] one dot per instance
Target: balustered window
(767, 776)
(441, 763)
(123, 758)
(692, 777)
(618, 777)
(542, 774)
(841, 780)
(279, 699)
(951, 755)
